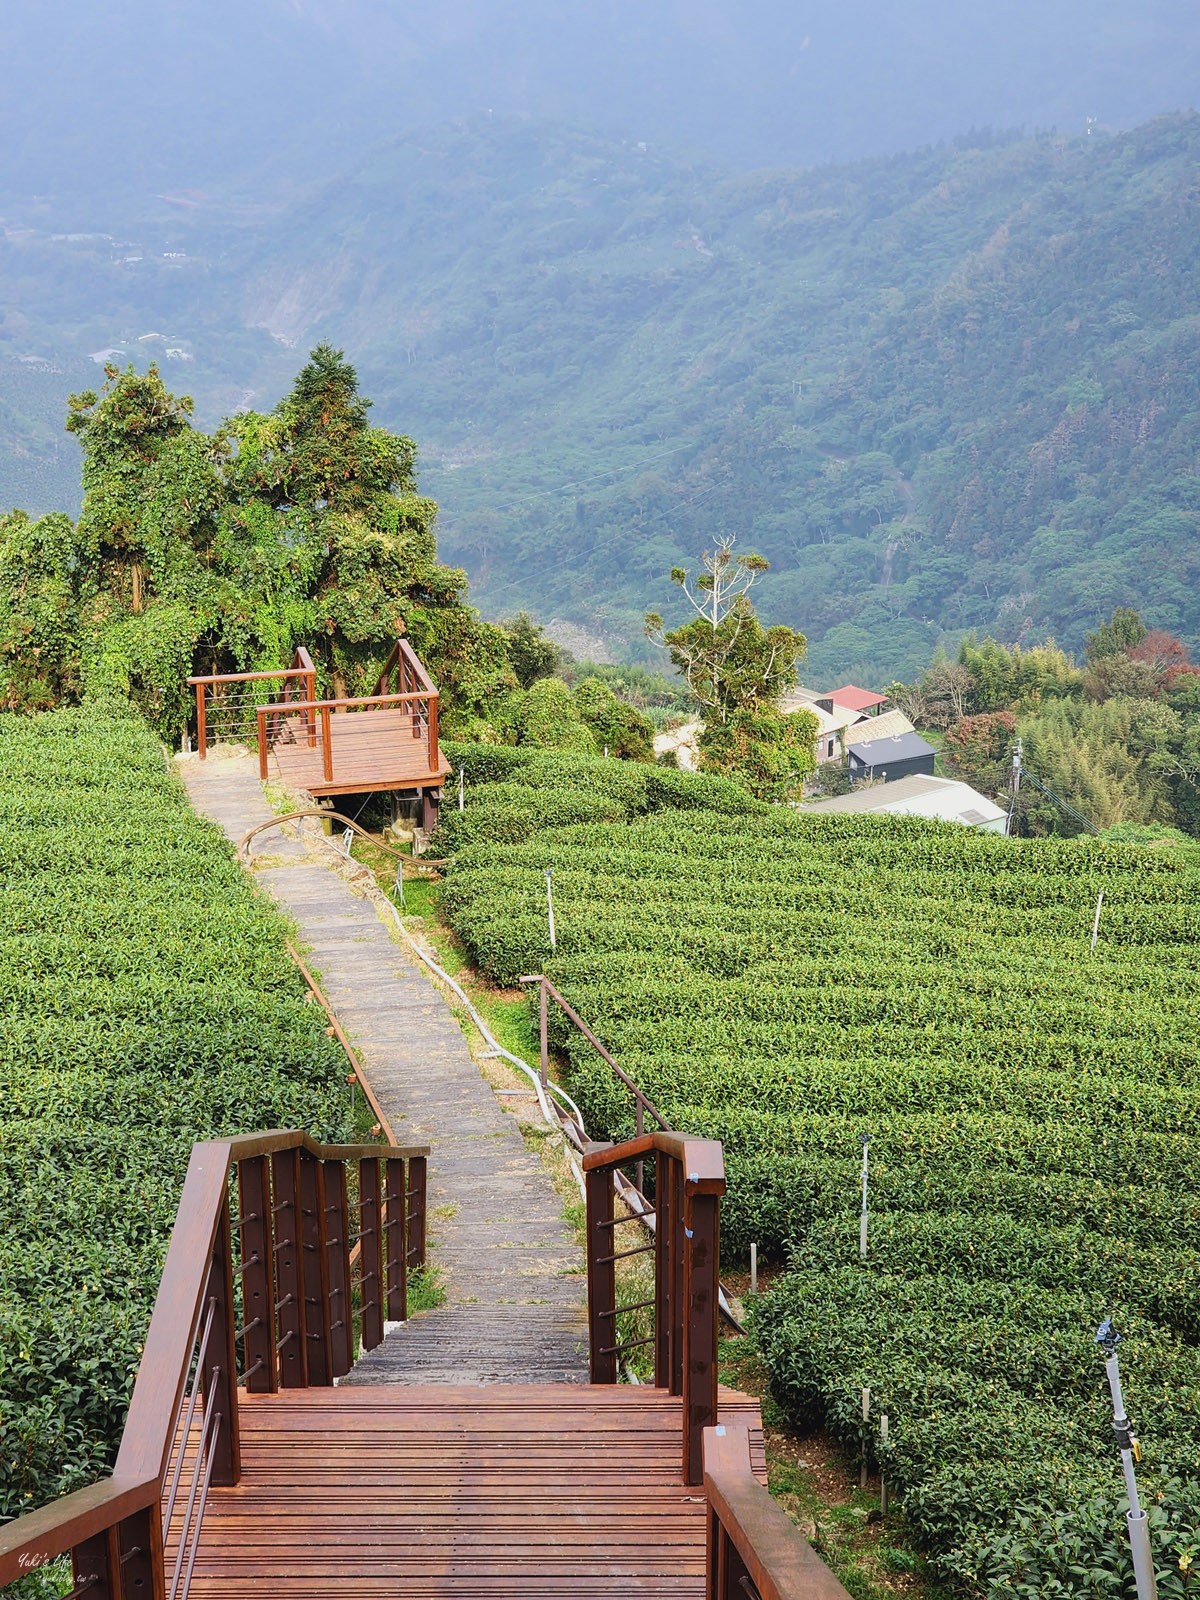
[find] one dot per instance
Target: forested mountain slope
(947, 390)
(198, 94)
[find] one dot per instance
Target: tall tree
(737, 671)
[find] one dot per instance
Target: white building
(939, 799)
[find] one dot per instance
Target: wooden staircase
(248, 1468)
(457, 1493)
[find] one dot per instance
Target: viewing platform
(386, 741)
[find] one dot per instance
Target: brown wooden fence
(267, 1220)
(228, 703)
(689, 1179)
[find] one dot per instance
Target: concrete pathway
(515, 1309)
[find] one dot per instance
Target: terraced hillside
(792, 984)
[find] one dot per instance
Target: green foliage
(146, 1001)
(1123, 629)
(788, 983)
(616, 726)
(530, 653)
(193, 553)
(769, 751)
(39, 650)
(550, 718)
(730, 663)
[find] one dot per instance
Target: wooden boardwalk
(513, 1271)
(458, 1493)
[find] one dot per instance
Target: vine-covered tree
(225, 552)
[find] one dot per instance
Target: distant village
(889, 766)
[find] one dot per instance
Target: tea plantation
(146, 1001)
(790, 984)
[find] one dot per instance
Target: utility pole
(1015, 785)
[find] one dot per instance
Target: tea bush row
(790, 983)
(146, 1001)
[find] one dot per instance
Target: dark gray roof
(878, 752)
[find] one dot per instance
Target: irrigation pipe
(243, 848)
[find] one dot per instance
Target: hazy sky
(145, 94)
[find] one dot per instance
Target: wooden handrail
(751, 1539)
(408, 654)
(353, 700)
(193, 1318)
(548, 991)
(402, 651)
(249, 677)
(702, 1160)
(340, 1034)
(302, 668)
(689, 1183)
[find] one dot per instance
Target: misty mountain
(949, 390)
(264, 97)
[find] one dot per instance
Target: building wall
(889, 771)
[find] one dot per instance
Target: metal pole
(550, 907)
(866, 1417)
(862, 1221)
(543, 1034)
(883, 1488)
(753, 1269)
(1108, 1338)
(1096, 920)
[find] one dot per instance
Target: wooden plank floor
(457, 1491)
(371, 750)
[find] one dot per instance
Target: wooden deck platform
(370, 750)
(553, 1490)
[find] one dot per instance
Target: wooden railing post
(291, 1343)
(678, 1305)
(664, 1272)
(309, 717)
(602, 1277)
(397, 1235)
(418, 1184)
(258, 1278)
(201, 724)
(219, 1371)
(432, 725)
(370, 1223)
(337, 1257)
(262, 744)
(141, 1571)
(94, 1564)
(326, 745)
(314, 1273)
(700, 1249)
